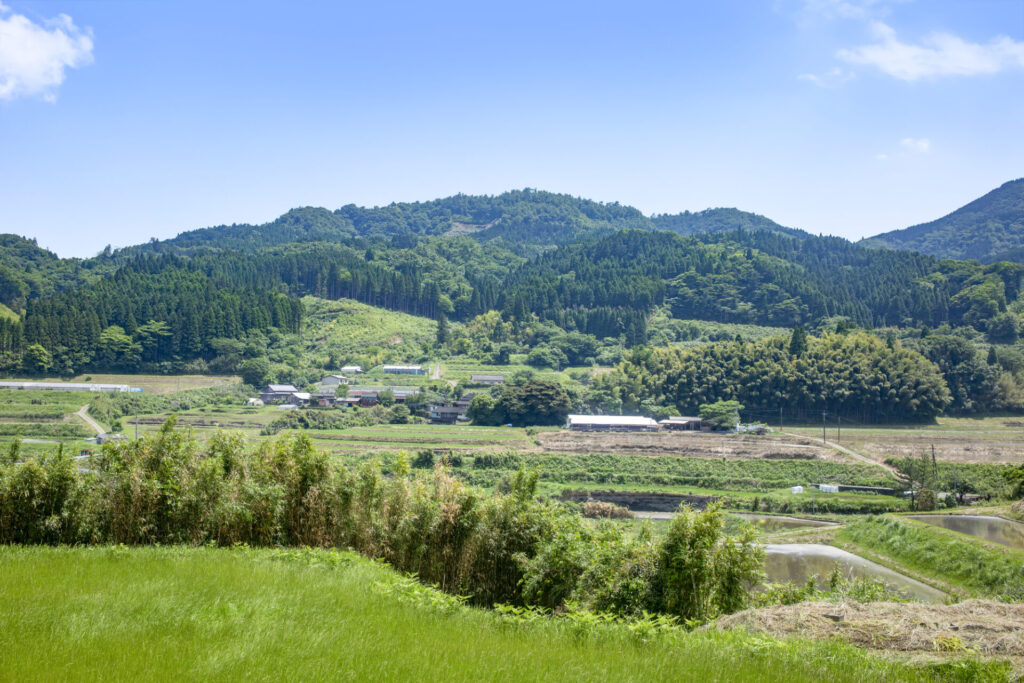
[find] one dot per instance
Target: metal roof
(613, 420)
(65, 386)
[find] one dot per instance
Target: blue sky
(122, 121)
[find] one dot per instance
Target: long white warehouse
(610, 423)
(66, 386)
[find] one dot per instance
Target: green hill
(988, 229)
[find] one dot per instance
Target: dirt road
(82, 413)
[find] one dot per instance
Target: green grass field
(207, 614)
(963, 562)
(355, 329)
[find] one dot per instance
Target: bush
(599, 508)
(507, 547)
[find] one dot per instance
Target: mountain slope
(720, 220)
(990, 229)
(527, 220)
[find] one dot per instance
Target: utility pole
(780, 418)
(136, 421)
(824, 414)
(839, 429)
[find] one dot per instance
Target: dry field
(985, 627)
(689, 444)
(966, 440)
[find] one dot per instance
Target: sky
(122, 121)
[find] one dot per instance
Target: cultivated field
(964, 440)
(43, 418)
(691, 444)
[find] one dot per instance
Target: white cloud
(830, 79)
(939, 54)
(813, 13)
(33, 57)
(908, 147)
(916, 145)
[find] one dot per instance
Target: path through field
(82, 413)
(856, 456)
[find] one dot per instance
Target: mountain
(988, 229)
(720, 220)
(565, 264)
(524, 220)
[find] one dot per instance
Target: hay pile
(985, 627)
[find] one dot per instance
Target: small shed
(488, 380)
(352, 370)
(681, 423)
(254, 402)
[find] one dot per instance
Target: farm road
(92, 423)
(854, 455)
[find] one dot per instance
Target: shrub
(598, 508)
(507, 547)
(701, 577)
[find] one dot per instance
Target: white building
(610, 423)
(67, 386)
(351, 370)
(403, 369)
(333, 380)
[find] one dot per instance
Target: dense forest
(857, 375)
(988, 229)
(569, 281)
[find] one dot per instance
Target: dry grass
(964, 440)
(688, 444)
(984, 627)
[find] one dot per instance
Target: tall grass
(986, 570)
(170, 489)
(217, 614)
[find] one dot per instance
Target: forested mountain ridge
(989, 229)
(566, 278)
(523, 219)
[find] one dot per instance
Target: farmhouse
(450, 412)
(352, 370)
(68, 386)
(680, 423)
(446, 413)
(333, 380)
(370, 396)
(300, 398)
(276, 393)
(610, 423)
(403, 369)
(489, 380)
(324, 399)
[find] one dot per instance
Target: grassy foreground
(116, 613)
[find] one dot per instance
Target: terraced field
(391, 438)
(43, 416)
